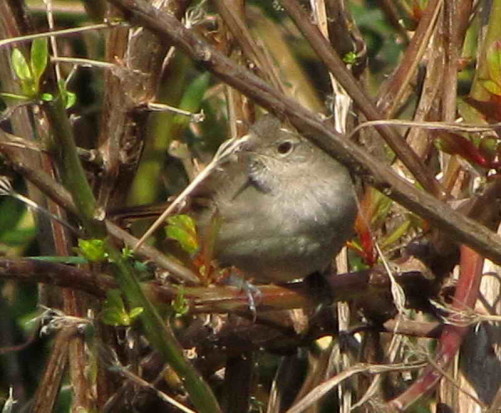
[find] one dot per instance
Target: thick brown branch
(381, 176)
(362, 286)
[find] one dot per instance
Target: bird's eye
(285, 147)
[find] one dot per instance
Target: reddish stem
(452, 335)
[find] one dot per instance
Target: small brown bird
(283, 207)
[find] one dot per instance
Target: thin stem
(73, 174)
(64, 32)
(78, 61)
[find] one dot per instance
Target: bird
(279, 209)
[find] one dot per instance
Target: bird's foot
(252, 292)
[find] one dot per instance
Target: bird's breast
(283, 235)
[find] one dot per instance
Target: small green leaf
(398, 233)
(382, 205)
(115, 319)
(93, 249)
(350, 58)
(71, 99)
(23, 73)
(192, 98)
(39, 59)
(47, 97)
(182, 229)
(127, 252)
(20, 66)
(114, 312)
(135, 312)
(180, 305)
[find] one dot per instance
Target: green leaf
(180, 305)
(381, 204)
(492, 87)
(135, 312)
(70, 99)
(23, 73)
(114, 312)
(47, 97)
(39, 59)
(20, 66)
(181, 228)
(93, 249)
(493, 59)
(192, 98)
(127, 252)
(398, 233)
(115, 318)
(350, 58)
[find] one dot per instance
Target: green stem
(156, 330)
(71, 169)
(162, 338)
